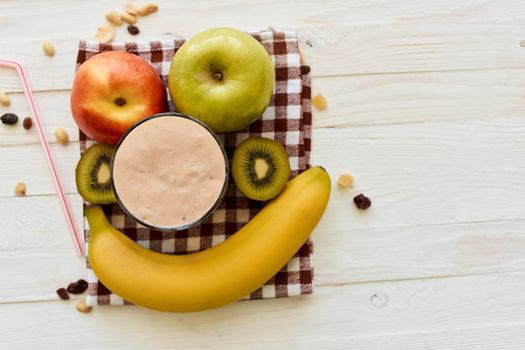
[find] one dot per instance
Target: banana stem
(96, 218)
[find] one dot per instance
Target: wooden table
(426, 110)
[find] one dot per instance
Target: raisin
(77, 287)
(27, 123)
(362, 202)
(305, 69)
(9, 119)
(62, 293)
(133, 30)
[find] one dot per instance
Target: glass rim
(209, 211)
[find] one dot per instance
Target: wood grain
(426, 110)
(329, 319)
(52, 20)
(335, 50)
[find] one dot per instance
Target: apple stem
(217, 76)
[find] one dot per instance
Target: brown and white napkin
(287, 119)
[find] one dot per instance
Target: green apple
(223, 77)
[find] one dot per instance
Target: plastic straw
(51, 164)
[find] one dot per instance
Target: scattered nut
(4, 99)
(131, 8)
(114, 18)
(49, 48)
(105, 34)
(362, 202)
(147, 9)
(345, 180)
(83, 307)
(61, 136)
(77, 287)
(20, 189)
(129, 18)
(62, 293)
(27, 123)
(9, 119)
(133, 30)
(319, 102)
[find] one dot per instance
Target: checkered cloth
(287, 119)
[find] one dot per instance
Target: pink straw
(51, 164)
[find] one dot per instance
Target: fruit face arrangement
(224, 79)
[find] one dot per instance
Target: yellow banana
(219, 275)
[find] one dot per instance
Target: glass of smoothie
(169, 172)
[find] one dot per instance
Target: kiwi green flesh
(92, 175)
(260, 168)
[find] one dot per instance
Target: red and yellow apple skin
(112, 91)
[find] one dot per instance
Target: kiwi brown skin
(94, 183)
(260, 168)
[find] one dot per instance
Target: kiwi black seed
(260, 168)
(93, 175)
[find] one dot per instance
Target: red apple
(112, 91)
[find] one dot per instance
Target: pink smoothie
(169, 171)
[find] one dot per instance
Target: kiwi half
(93, 175)
(260, 168)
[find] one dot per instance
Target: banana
(219, 275)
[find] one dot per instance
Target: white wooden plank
(328, 319)
(431, 149)
(360, 255)
(36, 251)
(27, 163)
(420, 97)
(51, 19)
(334, 50)
(54, 109)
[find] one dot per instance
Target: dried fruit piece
(345, 180)
(362, 202)
(114, 18)
(49, 48)
(105, 34)
(133, 30)
(9, 118)
(61, 136)
(305, 69)
(77, 287)
(62, 294)
(83, 307)
(129, 18)
(319, 102)
(20, 189)
(27, 123)
(4, 99)
(131, 8)
(147, 9)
